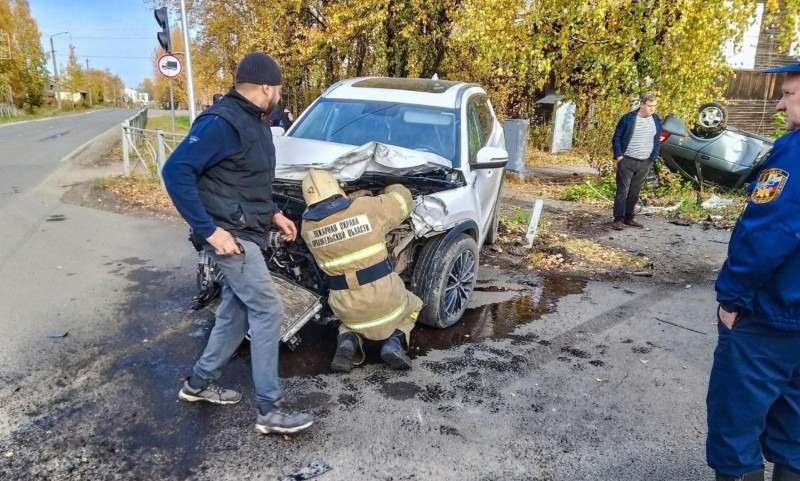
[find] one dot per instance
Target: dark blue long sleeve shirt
(761, 273)
(210, 140)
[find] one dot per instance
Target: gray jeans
(631, 174)
(249, 299)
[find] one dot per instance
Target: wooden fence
(751, 97)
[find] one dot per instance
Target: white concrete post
(126, 160)
(534, 222)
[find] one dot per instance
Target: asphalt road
(546, 378)
(63, 268)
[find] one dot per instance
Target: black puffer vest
(237, 192)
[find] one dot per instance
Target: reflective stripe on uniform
(400, 200)
(354, 256)
(381, 320)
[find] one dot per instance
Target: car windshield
(357, 122)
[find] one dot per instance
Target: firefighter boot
(754, 476)
(393, 353)
(781, 473)
(345, 350)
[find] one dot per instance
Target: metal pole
(55, 69)
(88, 82)
(160, 157)
(126, 160)
(189, 82)
(172, 105)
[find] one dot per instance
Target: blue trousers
(249, 299)
(754, 399)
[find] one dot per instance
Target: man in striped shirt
(635, 144)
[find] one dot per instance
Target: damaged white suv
(441, 140)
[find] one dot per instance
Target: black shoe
(212, 393)
(345, 350)
(781, 473)
(754, 476)
(281, 419)
(393, 353)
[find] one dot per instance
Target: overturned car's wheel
(445, 278)
(712, 118)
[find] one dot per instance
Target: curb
(86, 144)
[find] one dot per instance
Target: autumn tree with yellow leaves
(22, 60)
(600, 53)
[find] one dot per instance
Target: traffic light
(163, 21)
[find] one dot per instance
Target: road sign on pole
(169, 66)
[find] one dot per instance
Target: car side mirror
(277, 131)
(490, 158)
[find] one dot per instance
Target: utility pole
(89, 82)
(55, 68)
(189, 82)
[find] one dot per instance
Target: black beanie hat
(258, 68)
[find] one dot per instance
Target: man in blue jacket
(635, 145)
(220, 180)
(754, 390)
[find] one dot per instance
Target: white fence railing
(7, 109)
(146, 148)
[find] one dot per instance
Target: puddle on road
(493, 320)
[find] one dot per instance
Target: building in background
(137, 96)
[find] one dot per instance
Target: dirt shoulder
(577, 238)
(573, 238)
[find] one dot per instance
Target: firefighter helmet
(319, 185)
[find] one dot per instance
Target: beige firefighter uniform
(351, 240)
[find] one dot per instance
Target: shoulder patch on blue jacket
(769, 186)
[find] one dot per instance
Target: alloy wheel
(460, 283)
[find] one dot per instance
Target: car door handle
(705, 157)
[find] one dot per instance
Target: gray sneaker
(212, 393)
(283, 420)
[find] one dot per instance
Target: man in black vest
(220, 180)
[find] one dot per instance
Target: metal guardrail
(149, 148)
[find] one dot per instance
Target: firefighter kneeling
(348, 240)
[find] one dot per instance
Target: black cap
(258, 68)
(795, 68)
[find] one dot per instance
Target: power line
(115, 38)
(99, 56)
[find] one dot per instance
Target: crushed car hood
(295, 156)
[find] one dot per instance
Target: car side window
(474, 133)
(485, 118)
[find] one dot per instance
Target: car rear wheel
(445, 278)
(712, 118)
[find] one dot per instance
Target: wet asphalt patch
(126, 418)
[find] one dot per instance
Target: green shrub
(603, 188)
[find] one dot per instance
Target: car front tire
(445, 278)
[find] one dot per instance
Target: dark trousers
(631, 174)
(754, 399)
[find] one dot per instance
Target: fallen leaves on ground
(138, 190)
(560, 251)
